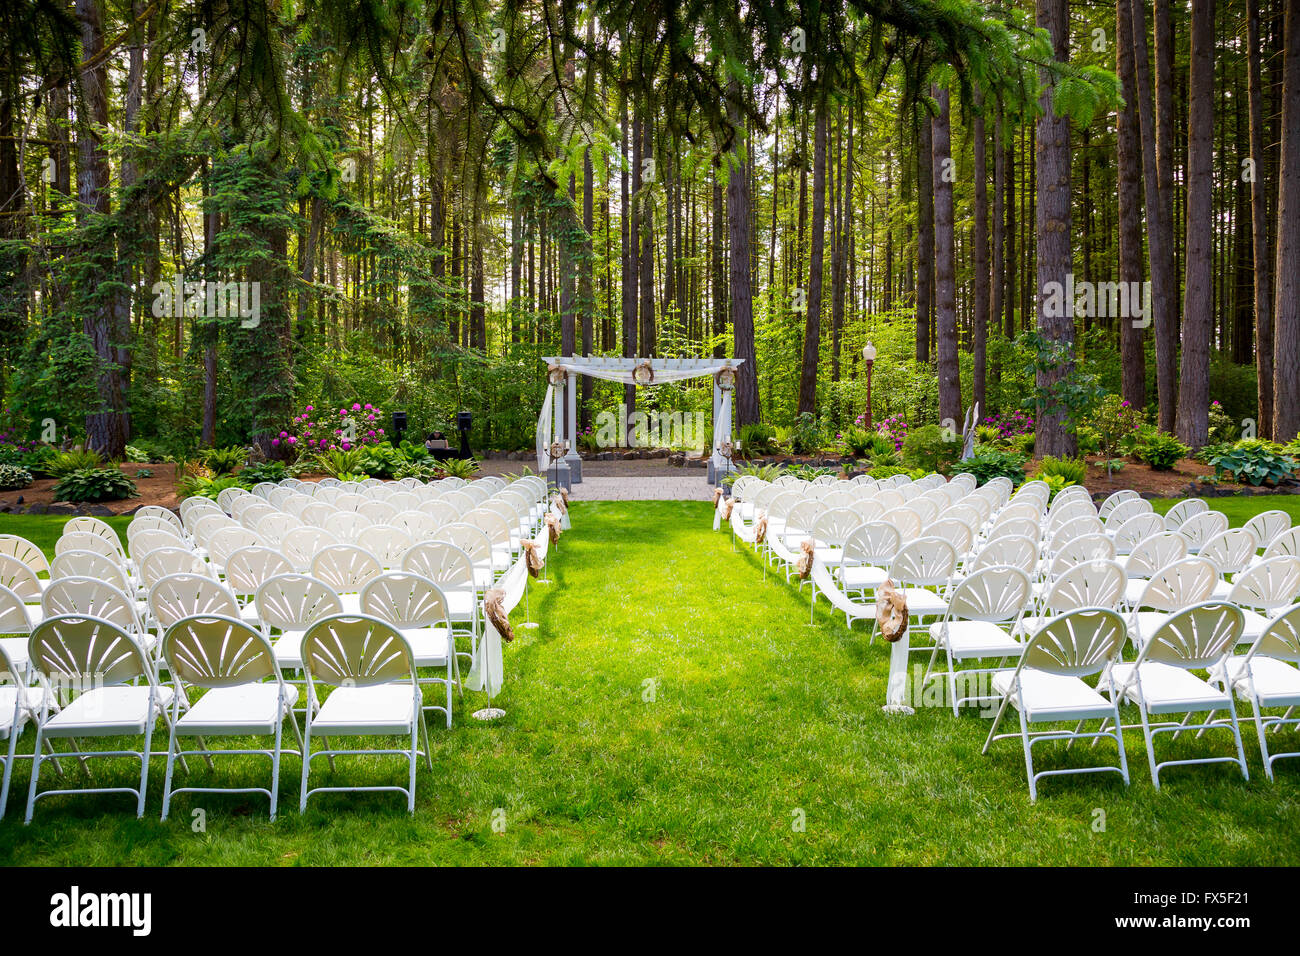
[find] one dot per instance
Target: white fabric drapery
(544, 423)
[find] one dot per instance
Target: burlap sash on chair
(726, 508)
(760, 529)
(494, 608)
(531, 556)
(553, 525)
(717, 495)
(561, 502)
(891, 611)
(805, 563)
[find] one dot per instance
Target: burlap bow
(494, 608)
(760, 529)
(717, 495)
(560, 503)
(805, 563)
(726, 508)
(553, 526)
(532, 557)
(891, 611)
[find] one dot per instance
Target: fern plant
(337, 463)
(206, 486)
(224, 461)
(459, 467)
(79, 459)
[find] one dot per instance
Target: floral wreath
(643, 373)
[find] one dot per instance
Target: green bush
(807, 437)
(861, 443)
(336, 462)
(382, 460)
(94, 484)
(1114, 422)
(888, 471)
(808, 472)
(1055, 484)
(136, 456)
(1023, 443)
(205, 486)
(263, 471)
(459, 467)
(1088, 440)
(988, 463)
(1207, 453)
(38, 460)
(1256, 462)
(758, 439)
(930, 448)
(1222, 427)
(764, 472)
(79, 459)
(413, 451)
(13, 477)
(422, 470)
(224, 461)
(1072, 471)
(988, 434)
(1162, 451)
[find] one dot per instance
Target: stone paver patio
(636, 480)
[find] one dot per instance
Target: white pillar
(573, 459)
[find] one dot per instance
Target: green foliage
(79, 459)
(381, 461)
(1072, 471)
(336, 462)
(1223, 428)
(1115, 420)
(423, 470)
(865, 444)
(758, 439)
(1162, 451)
(136, 456)
(13, 477)
(207, 486)
(224, 461)
(413, 451)
(888, 471)
(988, 434)
(263, 471)
(807, 437)
(931, 448)
(808, 472)
(764, 472)
(38, 460)
(459, 467)
(1055, 484)
(1023, 443)
(1074, 395)
(1254, 461)
(989, 462)
(94, 484)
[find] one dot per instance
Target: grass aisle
(674, 707)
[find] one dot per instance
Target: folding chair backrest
(273, 527)
(1197, 636)
(1151, 554)
(293, 601)
(461, 502)
(345, 567)
(1201, 527)
(356, 651)
(1019, 509)
(386, 542)
(468, 538)
(1267, 525)
(958, 533)
(1269, 585)
(972, 512)
(417, 525)
(218, 651)
(1020, 527)
(80, 647)
(1087, 547)
(491, 524)
(91, 597)
(1109, 504)
(440, 562)
(1135, 530)
(404, 501)
(150, 523)
(226, 541)
(164, 561)
(874, 543)
(152, 540)
(1093, 584)
(405, 600)
(179, 596)
(15, 546)
(92, 525)
(301, 545)
(868, 509)
(801, 518)
(89, 564)
(924, 561)
(833, 526)
(1231, 550)
(1075, 528)
(158, 511)
(907, 521)
(248, 568)
(926, 510)
(226, 498)
(13, 613)
(379, 512)
(85, 541)
(1179, 585)
(19, 578)
(1125, 511)
(1013, 549)
(1183, 510)
(1281, 637)
(440, 511)
(350, 501)
(1077, 643)
(888, 499)
(994, 594)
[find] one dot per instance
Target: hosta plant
(1256, 462)
(13, 477)
(94, 484)
(1162, 451)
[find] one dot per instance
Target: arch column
(572, 458)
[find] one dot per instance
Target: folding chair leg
(1151, 753)
(1259, 730)
(1029, 757)
(275, 768)
(996, 720)
(144, 769)
(36, 772)
(1236, 735)
(167, 776)
(306, 766)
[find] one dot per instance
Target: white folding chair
(376, 692)
(416, 607)
(245, 696)
(1172, 588)
(291, 603)
(346, 568)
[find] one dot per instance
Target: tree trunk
(741, 295)
(1198, 295)
(984, 313)
(1129, 160)
(628, 258)
(816, 262)
(1259, 237)
(1052, 152)
(719, 272)
(945, 278)
(1286, 309)
(924, 236)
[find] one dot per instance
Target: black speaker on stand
(463, 422)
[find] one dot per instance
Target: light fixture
(868, 353)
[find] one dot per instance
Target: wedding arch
(559, 418)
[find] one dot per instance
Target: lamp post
(869, 357)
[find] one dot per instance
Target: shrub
(341, 461)
(861, 443)
(421, 470)
(808, 472)
(94, 484)
(886, 459)
(757, 439)
(13, 477)
(807, 438)
(988, 463)
(38, 460)
(136, 456)
(1115, 421)
(413, 451)
(930, 448)
(458, 467)
(318, 430)
(1072, 471)
(1088, 440)
(895, 429)
(1222, 426)
(382, 460)
(1254, 461)
(263, 471)
(1055, 484)
(888, 471)
(79, 459)
(1010, 425)
(207, 486)
(224, 461)
(1162, 451)
(988, 434)
(765, 472)
(1024, 443)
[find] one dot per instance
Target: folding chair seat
(20, 702)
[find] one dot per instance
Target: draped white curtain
(545, 421)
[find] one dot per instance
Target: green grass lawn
(675, 707)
